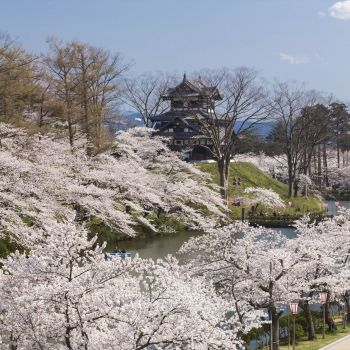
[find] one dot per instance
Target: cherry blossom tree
(303, 181)
(323, 252)
(249, 266)
(315, 269)
(64, 294)
(262, 196)
(124, 186)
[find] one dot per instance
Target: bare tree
(87, 81)
(98, 79)
(314, 129)
(60, 63)
(144, 94)
(48, 108)
(296, 110)
(288, 102)
(244, 105)
(18, 81)
(340, 124)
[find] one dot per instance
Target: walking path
(341, 344)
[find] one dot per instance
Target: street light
(323, 297)
(294, 311)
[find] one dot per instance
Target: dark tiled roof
(183, 135)
(187, 136)
(171, 115)
(194, 88)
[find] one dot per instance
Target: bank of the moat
(243, 175)
(162, 245)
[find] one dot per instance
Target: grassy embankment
(304, 344)
(251, 176)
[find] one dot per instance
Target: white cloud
(294, 59)
(340, 10)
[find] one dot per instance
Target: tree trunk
(304, 305)
(275, 316)
(227, 171)
(296, 188)
(13, 342)
(223, 180)
(68, 111)
(315, 167)
(309, 170)
(319, 165)
(290, 188)
(327, 313)
(347, 306)
(325, 166)
(290, 180)
(71, 133)
(338, 154)
(41, 115)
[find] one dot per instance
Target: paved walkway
(341, 344)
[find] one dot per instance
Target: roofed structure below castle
(190, 103)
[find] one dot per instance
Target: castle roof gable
(192, 88)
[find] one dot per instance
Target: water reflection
(158, 246)
(333, 208)
(161, 246)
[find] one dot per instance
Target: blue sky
(303, 40)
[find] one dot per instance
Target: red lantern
(323, 297)
(293, 308)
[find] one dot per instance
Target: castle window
(177, 104)
(194, 104)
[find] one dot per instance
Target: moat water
(161, 246)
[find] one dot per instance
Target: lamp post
(323, 297)
(294, 311)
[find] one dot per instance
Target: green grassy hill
(251, 176)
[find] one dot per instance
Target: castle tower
(190, 102)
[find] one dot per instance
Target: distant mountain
(123, 122)
(130, 119)
(263, 128)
